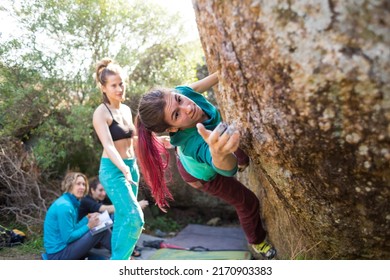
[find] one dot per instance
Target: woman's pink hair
(153, 159)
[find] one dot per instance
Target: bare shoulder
(126, 109)
(100, 112)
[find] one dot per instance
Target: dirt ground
(16, 253)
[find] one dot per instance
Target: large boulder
(308, 85)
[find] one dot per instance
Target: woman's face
(114, 88)
(78, 189)
(181, 112)
(99, 193)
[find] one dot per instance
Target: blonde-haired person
(64, 237)
(118, 172)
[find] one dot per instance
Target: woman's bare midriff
(124, 148)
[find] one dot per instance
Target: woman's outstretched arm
(205, 83)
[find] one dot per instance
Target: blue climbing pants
(129, 218)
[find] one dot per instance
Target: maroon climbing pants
(230, 190)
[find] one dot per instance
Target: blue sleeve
(69, 230)
(82, 222)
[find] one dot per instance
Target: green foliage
(163, 223)
(47, 89)
(68, 139)
(165, 65)
(34, 244)
(26, 100)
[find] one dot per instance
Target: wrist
(125, 170)
(225, 162)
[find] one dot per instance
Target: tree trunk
(308, 84)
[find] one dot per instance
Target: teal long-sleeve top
(60, 226)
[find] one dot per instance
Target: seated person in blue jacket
(98, 201)
(64, 237)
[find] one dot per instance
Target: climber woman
(207, 153)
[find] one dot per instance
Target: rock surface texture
(308, 83)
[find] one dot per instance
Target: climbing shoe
(264, 249)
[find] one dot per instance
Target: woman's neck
(205, 117)
(114, 104)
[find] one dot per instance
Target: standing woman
(112, 121)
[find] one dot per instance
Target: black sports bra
(118, 131)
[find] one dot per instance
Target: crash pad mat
(213, 238)
(174, 254)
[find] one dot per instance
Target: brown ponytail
(104, 68)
